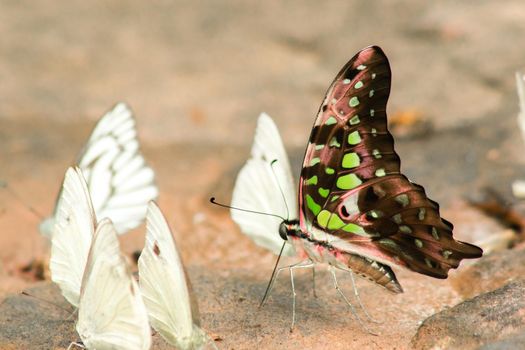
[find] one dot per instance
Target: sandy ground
(197, 74)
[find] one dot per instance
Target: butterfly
(356, 211)
(119, 180)
(111, 314)
(163, 284)
(93, 276)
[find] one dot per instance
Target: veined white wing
(111, 313)
(258, 187)
(74, 228)
(119, 180)
(163, 285)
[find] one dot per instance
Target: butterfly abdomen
(374, 271)
(322, 251)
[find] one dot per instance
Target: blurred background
(198, 73)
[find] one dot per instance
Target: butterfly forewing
(74, 227)
(163, 285)
(265, 185)
(351, 186)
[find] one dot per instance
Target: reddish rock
(493, 271)
(495, 316)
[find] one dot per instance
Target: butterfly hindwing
(351, 186)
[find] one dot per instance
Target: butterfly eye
(283, 231)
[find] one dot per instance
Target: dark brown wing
(351, 186)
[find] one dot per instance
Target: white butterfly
(265, 186)
(75, 223)
(163, 286)
(118, 178)
(112, 314)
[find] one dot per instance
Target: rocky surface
(197, 75)
(495, 318)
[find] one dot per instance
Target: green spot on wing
(435, 234)
(329, 220)
(334, 143)
(312, 180)
(323, 192)
(335, 222)
(334, 198)
(322, 218)
(353, 102)
(354, 138)
(380, 172)
(353, 228)
(402, 199)
(312, 205)
(354, 120)
(421, 214)
(387, 242)
(397, 219)
(405, 229)
(358, 85)
(329, 171)
(351, 160)
(331, 120)
(314, 161)
(347, 182)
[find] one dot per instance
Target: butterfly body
(318, 249)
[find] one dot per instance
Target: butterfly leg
(303, 264)
(74, 313)
(352, 309)
(358, 298)
(313, 282)
(75, 344)
(272, 281)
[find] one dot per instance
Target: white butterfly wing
(111, 313)
(163, 285)
(74, 228)
(119, 180)
(258, 188)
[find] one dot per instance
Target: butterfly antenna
(5, 185)
(48, 302)
(273, 276)
(280, 189)
(212, 200)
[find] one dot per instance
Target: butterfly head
(289, 228)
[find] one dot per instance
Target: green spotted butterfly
(355, 210)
